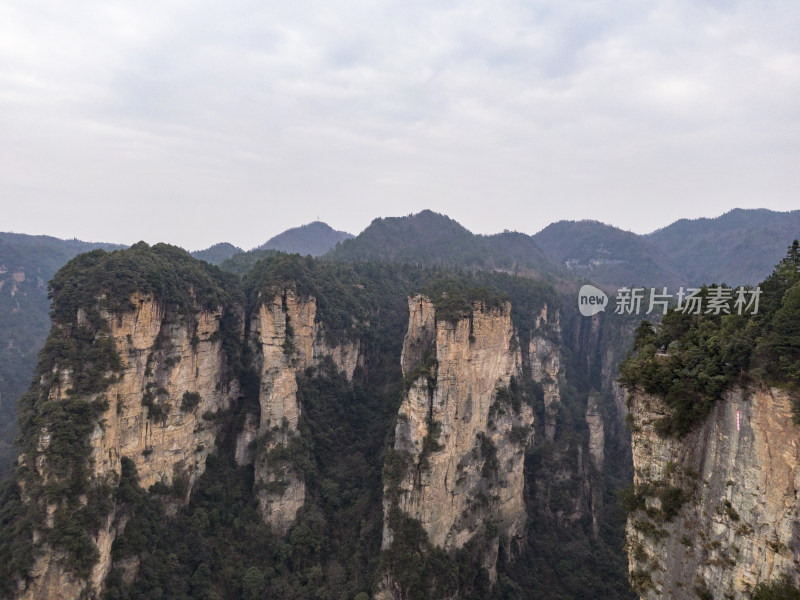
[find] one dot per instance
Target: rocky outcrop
(286, 339)
(597, 441)
(461, 435)
(173, 372)
(720, 509)
(175, 369)
(545, 364)
(246, 441)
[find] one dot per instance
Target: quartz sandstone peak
(739, 476)
(463, 446)
(163, 356)
(286, 339)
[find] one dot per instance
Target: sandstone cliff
(172, 372)
(718, 509)
(286, 339)
(461, 430)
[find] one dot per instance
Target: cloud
(196, 122)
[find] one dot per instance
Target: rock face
(596, 425)
(148, 419)
(164, 359)
(545, 365)
(286, 340)
(739, 476)
(461, 438)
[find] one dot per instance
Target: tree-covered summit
(691, 359)
(169, 273)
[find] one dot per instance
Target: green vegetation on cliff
(107, 280)
(217, 546)
(65, 401)
(333, 549)
(351, 296)
(26, 265)
(693, 358)
(779, 589)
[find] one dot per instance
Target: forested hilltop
(320, 343)
(692, 359)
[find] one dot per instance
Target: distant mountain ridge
(740, 247)
(217, 253)
(431, 238)
(315, 239)
(607, 255)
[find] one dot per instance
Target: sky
(195, 122)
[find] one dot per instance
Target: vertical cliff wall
(325, 363)
(285, 339)
(462, 430)
(172, 372)
(718, 509)
(138, 362)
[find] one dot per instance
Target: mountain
(738, 248)
(607, 255)
(429, 238)
(217, 253)
(315, 239)
(400, 418)
(314, 429)
(27, 263)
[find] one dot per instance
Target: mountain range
(739, 247)
(419, 412)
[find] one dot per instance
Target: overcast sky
(195, 122)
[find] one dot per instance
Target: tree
(253, 584)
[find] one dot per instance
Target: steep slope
(301, 515)
(314, 238)
(720, 512)
(738, 248)
(131, 368)
(607, 255)
(286, 340)
(27, 263)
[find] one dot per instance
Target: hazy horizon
(196, 124)
(354, 233)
